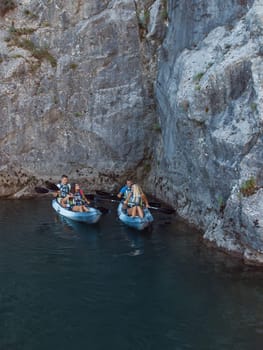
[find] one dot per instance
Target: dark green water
(109, 287)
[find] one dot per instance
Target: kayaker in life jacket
(137, 198)
(125, 190)
(64, 191)
(79, 199)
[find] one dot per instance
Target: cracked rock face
(209, 95)
(74, 98)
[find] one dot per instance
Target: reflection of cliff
(209, 93)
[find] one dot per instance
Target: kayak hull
(135, 222)
(90, 217)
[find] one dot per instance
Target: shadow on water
(72, 230)
(136, 239)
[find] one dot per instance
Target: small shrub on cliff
(147, 168)
(25, 44)
(20, 31)
(248, 187)
(144, 18)
(253, 106)
(30, 14)
(164, 12)
(39, 53)
(221, 205)
(198, 77)
(45, 24)
(157, 127)
(73, 65)
(79, 114)
(6, 5)
(44, 54)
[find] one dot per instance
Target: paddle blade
(155, 204)
(167, 210)
(114, 198)
(90, 196)
(41, 190)
(102, 193)
(51, 186)
(103, 210)
(163, 210)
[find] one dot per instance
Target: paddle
(52, 187)
(103, 210)
(107, 196)
(103, 193)
(41, 190)
(152, 205)
(163, 210)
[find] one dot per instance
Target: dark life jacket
(64, 190)
(77, 198)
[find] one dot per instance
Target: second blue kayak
(135, 222)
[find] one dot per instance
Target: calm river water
(73, 286)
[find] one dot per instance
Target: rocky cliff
(169, 92)
(209, 97)
(76, 92)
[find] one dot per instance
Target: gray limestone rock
(73, 90)
(209, 95)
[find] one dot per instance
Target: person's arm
(70, 193)
(128, 198)
(84, 197)
(57, 193)
(145, 200)
(121, 193)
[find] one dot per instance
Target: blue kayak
(90, 217)
(135, 222)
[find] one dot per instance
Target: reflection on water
(72, 229)
(68, 285)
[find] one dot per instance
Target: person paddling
(137, 199)
(64, 191)
(79, 199)
(125, 190)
